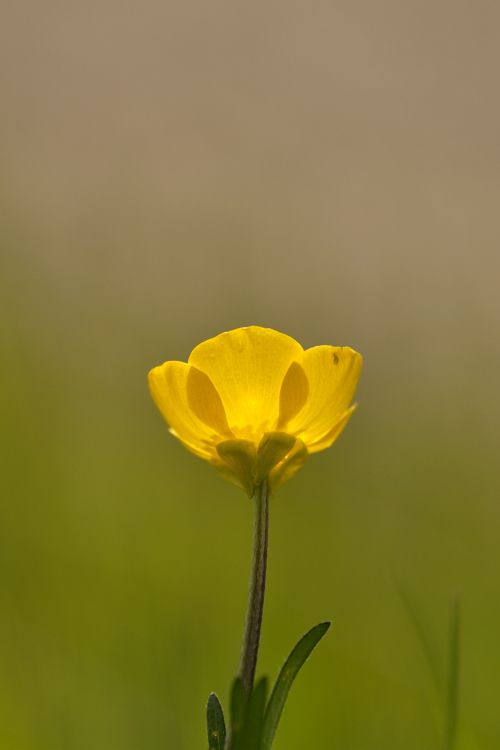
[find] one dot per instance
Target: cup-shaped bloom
(254, 404)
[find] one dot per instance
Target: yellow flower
(255, 404)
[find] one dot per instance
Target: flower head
(255, 404)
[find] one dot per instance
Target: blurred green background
(171, 170)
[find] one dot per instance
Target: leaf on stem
(285, 679)
(216, 726)
(238, 707)
(247, 716)
(254, 717)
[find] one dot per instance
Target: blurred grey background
(172, 170)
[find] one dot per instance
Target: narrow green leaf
(238, 708)
(216, 726)
(254, 716)
(285, 679)
(453, 674)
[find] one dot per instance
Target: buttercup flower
(255, 404)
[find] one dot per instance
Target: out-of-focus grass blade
(216, 726)
(254, 716)
(285, 679)
(429, 648)
(450, 734)
(238, 708)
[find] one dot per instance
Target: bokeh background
(170, 170)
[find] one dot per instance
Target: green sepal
(285, 679)
(216, 727)
(290, 465)
(239, 456)
(273, 448)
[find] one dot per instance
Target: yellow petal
(290, 465)
(205, 402)
(332, 374)
(191, 406)
(201, 452)
(293, 394)
(273, 448)
(331, 436)
(247, 367)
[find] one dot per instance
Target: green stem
(255, 606)
(256, 591)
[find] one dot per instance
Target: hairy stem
(255, 606)
(256, 591)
